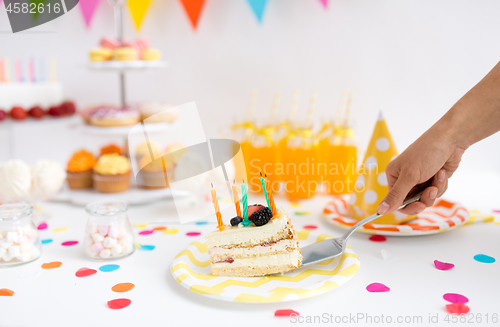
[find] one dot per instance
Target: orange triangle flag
(138, 10)
(193, 9)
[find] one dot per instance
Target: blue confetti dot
(146, 247)
(201, 222)
(484, 258)
(108, 268)
(47, 241)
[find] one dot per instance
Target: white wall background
(411, 59)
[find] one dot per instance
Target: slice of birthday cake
(268, 245)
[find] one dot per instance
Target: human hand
(429, 157)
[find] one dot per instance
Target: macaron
(100, 54)
(125, 54)
(151, 54)
(109, 43)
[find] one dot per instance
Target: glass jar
(19, 239)
(108, 234)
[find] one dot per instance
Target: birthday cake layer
(241, 251)
(28, 95)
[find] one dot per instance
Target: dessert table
(57, 297)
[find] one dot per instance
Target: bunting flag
(88, 8)
(324, 3)
(193, 9)
(138, 10)
(258, 7)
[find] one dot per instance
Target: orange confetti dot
(122, 287)
(52, 265)
(160, 228)
(6, 292)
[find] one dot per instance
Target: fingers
(397, 193)
(413, 208)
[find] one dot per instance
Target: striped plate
(191, 268)
(441, 217)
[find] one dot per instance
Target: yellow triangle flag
(138, 10)
(371, 184)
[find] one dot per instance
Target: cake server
(333, 247)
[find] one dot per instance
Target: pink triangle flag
(88, 8)
(324, 3)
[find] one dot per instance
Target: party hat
(371, 184)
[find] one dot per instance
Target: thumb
(396, 195)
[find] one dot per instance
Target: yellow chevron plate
(191, 268)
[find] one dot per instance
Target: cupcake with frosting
(79, 170)
(112, 173)
(153, 173)
(15, 179)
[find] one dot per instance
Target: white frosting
(15, 179)
(254, 251)
(288, 259)
(48, 177)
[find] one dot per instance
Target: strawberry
(18, 113)
(36, 112)
(252, 208)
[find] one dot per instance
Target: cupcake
(47, 177)
(152, 174)
(79, 170)
(111, 148)
(112, 174)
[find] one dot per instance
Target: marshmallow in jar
(19, 239)
(108, 234)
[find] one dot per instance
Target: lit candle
(262, 181)
(245, 221)
(31, 71)
(19, 77)
(7, 69)
(270, 196)
(236, 200)
(220, 224)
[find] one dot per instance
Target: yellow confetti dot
(295, 204)
(62, 229)
(171, 231)
(137, 245)
(141, 225)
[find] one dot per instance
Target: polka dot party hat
(371, 184)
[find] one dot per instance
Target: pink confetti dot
(42, 226)
(310, 226)
(455, 298)
(286, 313)
(443, 265)
(146, 232)
(377, 238)
(119, 303)
(68, 243)
(377, 287)
(457, 308)
(193, 233)
(83, 272)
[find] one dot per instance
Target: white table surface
(58, 298)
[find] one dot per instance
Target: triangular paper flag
(371, 184)
(324, 3)
(138, 10)
(258, 7)
(193, 9)
(88, 8)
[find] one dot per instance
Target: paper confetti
(377, 238)
(295, 204)
(302, 213)
(193, 233)
(146, 232)
(455, 298)
(159, 228)
(6, 292)
(171, 231)
(122, 287)
(29, 274)
(457, 308)
(285, 313)
(201, 222)
(310, 227)
(47, 241)
(84, 272)
(62, 229)
(69, 243)
(146, 247)
(119, 303)
(42, 226)
(108, 268)
(51, 265)
(484, 258)
(377, 287)
(141, 225)
(443, 265)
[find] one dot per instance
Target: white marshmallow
(14, 251)
(98, 238)
(116, 250)
(20, 230)
(106, 253)
(6, 244)
(127, 248)
(97, 247)
(103, 230)
(113, 232)
(92, 228)
(125, 240)
(109, 242)
(12, 236)
(88, 241)
(23, 257)
(6, 257)
(1, 235)
(122, 231)
(32, 233)
(22, 239)
(26, 247)
(2, 252)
